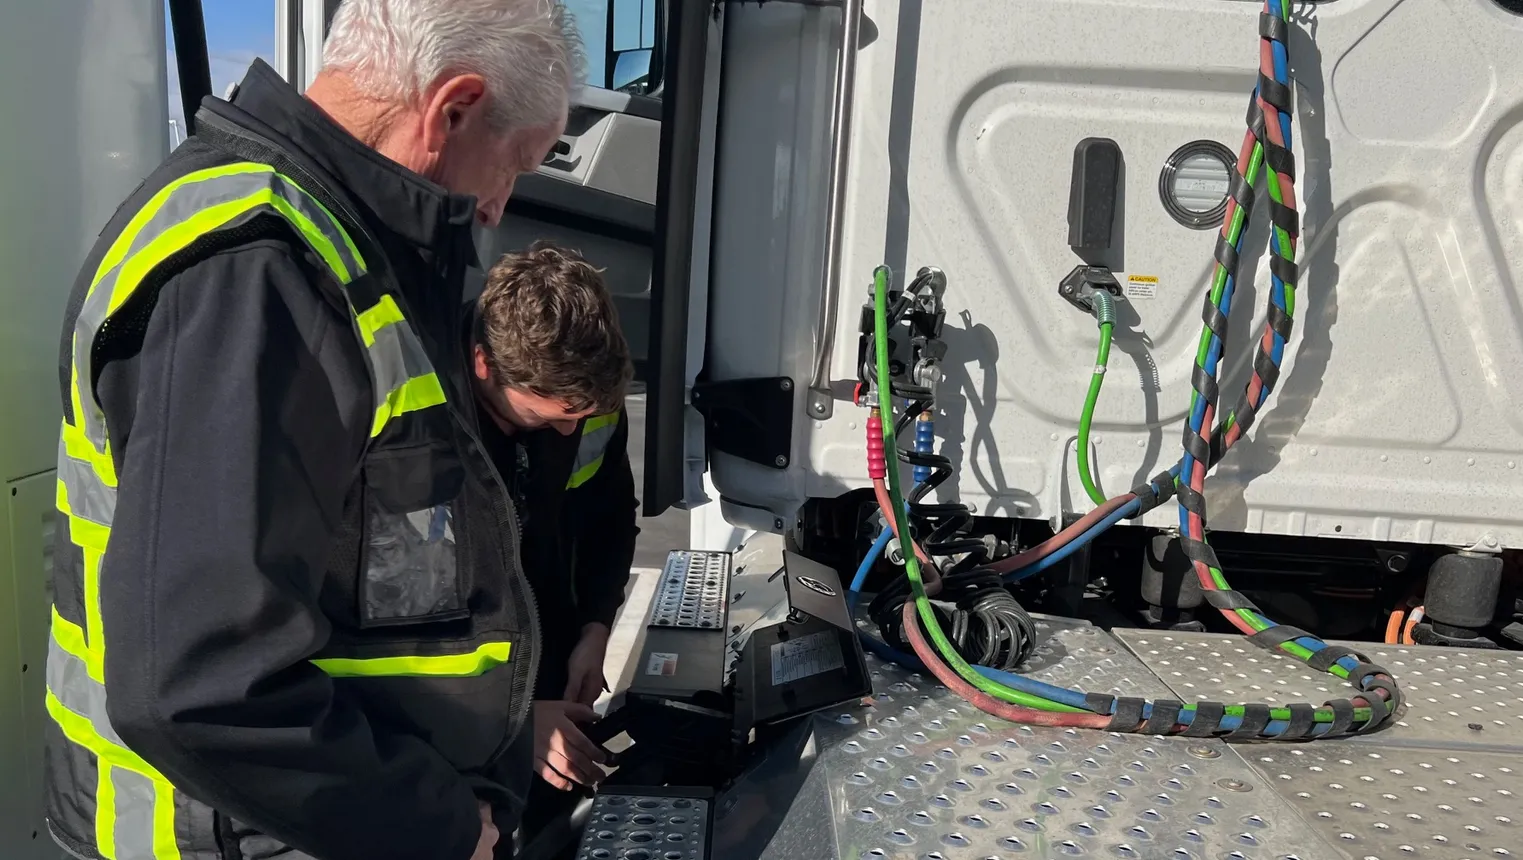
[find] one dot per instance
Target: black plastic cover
(1092, 194)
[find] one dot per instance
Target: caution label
(1142, 286)
(661, 663)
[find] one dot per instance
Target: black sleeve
(603, 517)
(241, 454)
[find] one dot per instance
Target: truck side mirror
(630, 71)
(634, 36)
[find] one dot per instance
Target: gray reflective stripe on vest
(185, 210)
(134, 804)
(70, 681)
(597, 432)
(404, 378)
(136, 799)
(89, 497)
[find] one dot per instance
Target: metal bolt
(1202, 751)
(820, 408)
(787, 384)
(1234, 785)
(781, 460)
(778, 523)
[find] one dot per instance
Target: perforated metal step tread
(1455, 697)
(642, 827)
(693, 591)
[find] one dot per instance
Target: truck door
(598, 192)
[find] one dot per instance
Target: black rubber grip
(1226, 256)
(1229, 599)
(1284, 268)
(1208, 720)
(1164, 716)
(1302, 717)
(1205, 383)
(1278, 319)
(1274, 93)
(1255, 719)
(1273, 28)
(1240, 191)
(1098, 703)
(1285, 218)
(1278, 158)
(1128, 714)
(1324, 658)
(1343, 717)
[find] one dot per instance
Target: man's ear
(453, 107)
(479, 363)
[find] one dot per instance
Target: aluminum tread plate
(694, 590)
(1402, 802)
(637, 827)
(1455, 697)
(921, 774)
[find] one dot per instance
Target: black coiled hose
(984, 622)
(979, 614)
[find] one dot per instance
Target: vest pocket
(411, 548)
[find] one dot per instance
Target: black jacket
(250, 646)
(579, 530)
(579, 542)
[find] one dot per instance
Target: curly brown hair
(547, 325)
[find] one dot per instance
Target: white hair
(528, 52)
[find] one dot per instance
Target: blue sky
(237, 31)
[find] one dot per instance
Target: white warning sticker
(1142, 286)
(805, 656)
(661, 663)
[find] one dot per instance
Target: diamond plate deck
(637, 827)
(1455, 698)
(922, 774)
(1404, 802)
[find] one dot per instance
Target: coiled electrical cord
(983, 620)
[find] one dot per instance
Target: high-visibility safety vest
(597, 432)
(135, 808)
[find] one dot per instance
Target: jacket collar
(411, 207)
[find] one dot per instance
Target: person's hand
(584, 670)
(563, 756)
(488, 840)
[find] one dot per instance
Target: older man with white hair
(306, 634)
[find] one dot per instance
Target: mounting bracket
(749, 418)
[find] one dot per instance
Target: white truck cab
(1060, 172)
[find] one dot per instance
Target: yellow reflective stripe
(78, 729)
(78, 446)
(165, 845)
(86, 534)
(598, 422)
(71, 638)
(181, 235)
(478, 662)
(584, 474)
(417, 393)
(382, 314)
(105, 808)
(108, 755)
(95, 656)
(120, 247)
